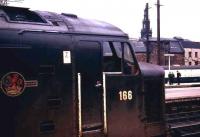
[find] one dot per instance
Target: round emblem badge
(13, 84)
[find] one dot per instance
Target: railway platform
(183, 85)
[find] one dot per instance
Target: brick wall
(177, 59)
(141, 57)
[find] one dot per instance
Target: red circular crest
(13, 84)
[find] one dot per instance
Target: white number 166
(125, 95)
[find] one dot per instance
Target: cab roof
(26, 19)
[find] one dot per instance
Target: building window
(196, 62)
(196, 54)
(190, 63)
(190, 54)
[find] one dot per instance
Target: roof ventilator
(69, 15)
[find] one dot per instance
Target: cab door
(121, 87)
(89, 88)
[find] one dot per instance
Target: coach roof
(25, 19)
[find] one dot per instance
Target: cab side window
(127, 60)
(117, 57)
(107, 52)
(118, 49)
(112, 57)
(127, 53)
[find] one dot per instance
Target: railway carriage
(189, 74)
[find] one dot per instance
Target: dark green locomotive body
(63, 76)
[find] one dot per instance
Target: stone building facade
(192, 52)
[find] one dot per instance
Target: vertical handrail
(79, 106)
(104, 105)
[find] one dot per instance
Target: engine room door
(89, 80)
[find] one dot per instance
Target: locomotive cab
(62, 75)
(107, 90)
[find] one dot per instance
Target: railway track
(185, 124)
(183, 119)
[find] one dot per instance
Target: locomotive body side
(71, 77)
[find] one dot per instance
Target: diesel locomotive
(65, 76)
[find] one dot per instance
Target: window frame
(196, 54)
(189, 54)
(121, 55)
(131, 53)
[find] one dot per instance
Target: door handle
(98, 84)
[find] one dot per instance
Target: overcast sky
(178, 17)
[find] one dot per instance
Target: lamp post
(158, 30)
(169, 63)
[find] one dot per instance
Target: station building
(181, 51)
